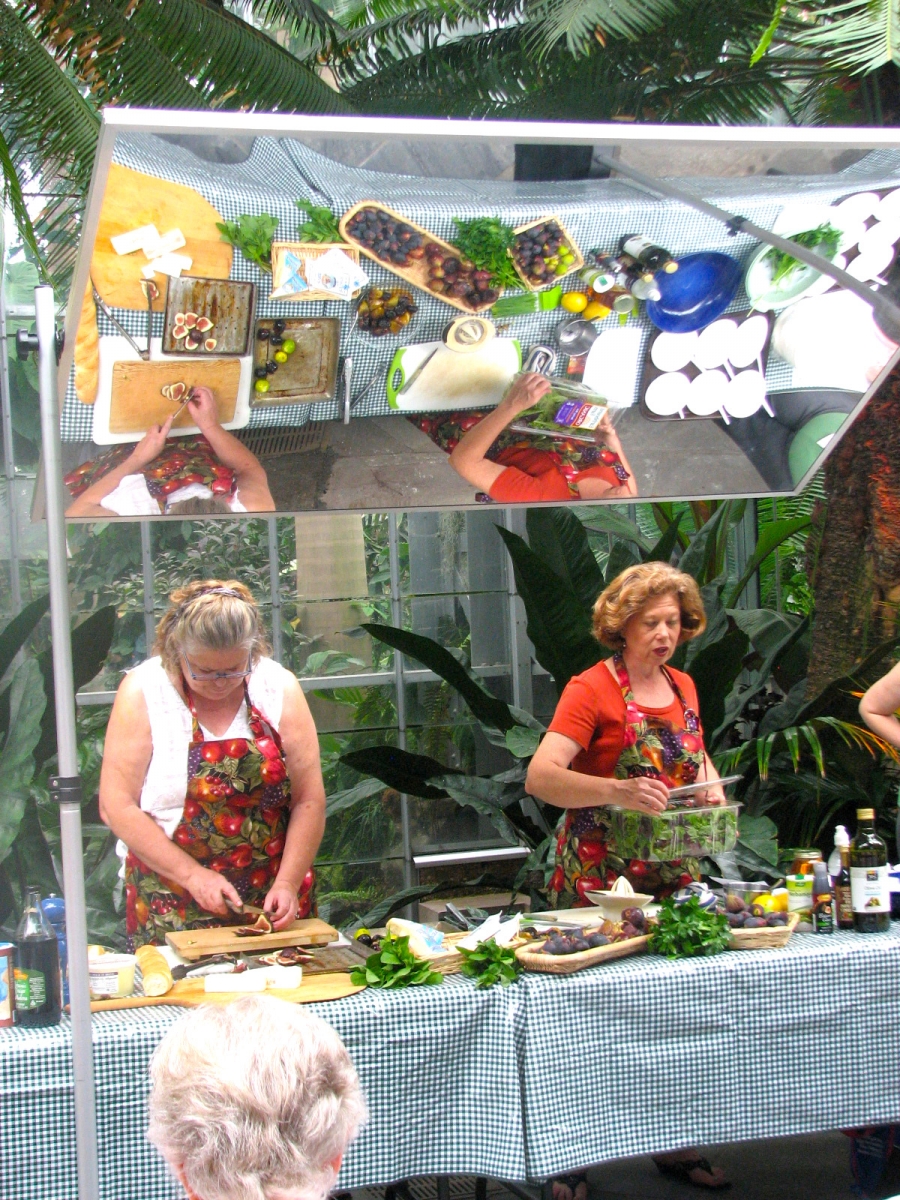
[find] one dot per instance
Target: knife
(418, 371)
(245, 908)
(702, 784)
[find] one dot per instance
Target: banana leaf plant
(749, 666)
(29, 818)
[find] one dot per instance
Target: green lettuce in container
(676, 833)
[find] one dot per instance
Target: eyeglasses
(210, 676)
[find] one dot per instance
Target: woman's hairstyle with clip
(209, 614)
(637, 586)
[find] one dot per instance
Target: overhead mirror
(284, 313)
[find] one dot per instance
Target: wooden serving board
(136, 401)
(554, 279)
(198, 943)
(764, 939)
(132, 199)
(417, 274)
(568, 964)
(189, 993)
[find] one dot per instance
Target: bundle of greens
(394, 966)
(321, 224)
(485, 242)
(688, 930)
(489, 963)
(252, 236)
(824, 239)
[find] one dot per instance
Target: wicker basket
(308, 250)
(554, 279)
(449, 961)
(764, 939)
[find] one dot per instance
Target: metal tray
(310, 374)
(226, 302)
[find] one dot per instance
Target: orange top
(532, 475)
(591, 711)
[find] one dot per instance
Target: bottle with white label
(869, 884)
(36, 972)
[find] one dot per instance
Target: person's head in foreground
(647, 611)
(257, 1100)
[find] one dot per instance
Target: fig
(757, 910)
(191, 319)
(204, 324)
(734, 904)
(177, 391)
(596, 940)
(210, 344)
(261, 925)
(271, 368)
(629, 931)
(178, 332)
(736, 919)
(635, 917)
(776, 919)
(260, 372)
(191, 344)
(755, 923)
(166, 390)
(179, 318)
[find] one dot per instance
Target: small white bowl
(613, 904)
(746, 394)
(668, 394)
(888, 206)
(715, 343)
(708, 393)
(672, 351)
(860, 206)
(749, 341)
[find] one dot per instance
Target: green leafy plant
(394, 966)
(252, 236)
(489, 963)
(824, 238)
(485, 241)
(321, 224)
(687, 930)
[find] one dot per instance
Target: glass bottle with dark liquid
(36, 971)
(869, 885)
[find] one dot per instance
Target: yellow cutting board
(189, 993)
(198, 943)
(136, 401)
(133, 199)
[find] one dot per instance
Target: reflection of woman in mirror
(525, 468)
(213, 473)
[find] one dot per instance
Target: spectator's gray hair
(254, 1101)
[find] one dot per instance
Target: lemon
(574, 302)
(595, 310)
(262, 385)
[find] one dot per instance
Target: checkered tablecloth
(596, 212)
(550, 1074)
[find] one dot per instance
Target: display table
(550, 1074)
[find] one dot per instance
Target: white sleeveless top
(165, 784)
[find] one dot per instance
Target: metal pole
(275, 588)
(399, 688)
(66, 786)
(884, 310)
(148, 588)
(520, 645)
(9, 462)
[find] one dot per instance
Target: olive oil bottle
(869, 888)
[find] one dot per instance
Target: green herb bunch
(252, 236)
(394, 966)
(321, 226)
(489, 963)
(824, 238)
(485, 241)
(687, 930)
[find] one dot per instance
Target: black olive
(278, 326)
(260, 372)
(271, 367)
(263, 335)
(276, 342)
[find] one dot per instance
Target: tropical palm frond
(582, 23)
(799, 738)
(302, 17)
(858, 35)
(15, 201)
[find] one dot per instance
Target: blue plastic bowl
(698, 292)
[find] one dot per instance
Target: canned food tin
(7, 990)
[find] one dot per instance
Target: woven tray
(568, 964)
(450, 961)
(554, 279)
(306, 250)
(417, 274)
(764, 939)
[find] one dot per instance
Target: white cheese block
(166, 244)
(171, 264)
(282, 978)
(134, 239)
(243, 981)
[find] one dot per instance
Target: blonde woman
(255, 1101)
(211, 776)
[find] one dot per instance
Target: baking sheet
(117, 349)
(228, 303)
(310, 373)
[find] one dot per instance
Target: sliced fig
(210, 344)
(191, 319)
(204, 324)
(179, 318)
(179, 331)
(166, 390)
(190, 344)
(178, 391)
(260, 926)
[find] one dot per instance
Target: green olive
(262, 385)
(289, 345)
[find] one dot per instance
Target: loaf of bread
(87, 351)
(154, 970)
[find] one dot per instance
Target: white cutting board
(117, 349)
(453, 381)
(613, 365)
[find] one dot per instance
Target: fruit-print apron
(180, 463)
(235, 820)
(653, 747)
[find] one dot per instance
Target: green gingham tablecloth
(550, 1074)
(596, 212)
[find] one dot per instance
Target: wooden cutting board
(133, 199)
(197, 943)
(137, 403)
(189, 993)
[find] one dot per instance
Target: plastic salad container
(675, 833)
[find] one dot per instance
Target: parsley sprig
(321, 224)
(824, 238)
(252, 236)
(484, 241)
(394, 966)
(687, 930)
(489, 963)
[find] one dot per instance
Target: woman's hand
(281, 904)
(202, 407)
(151, 444)
(524, 393)
(712, 795)
(643, 794)
(210, 890)
(605, 431)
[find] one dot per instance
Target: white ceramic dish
(882, 233)
(859, 207)
(749, 340)
(746, 394)
(612, 366)
(707, 393)
(888, 206)
(613, 904)
(872, 263)
(568, 916)
(668, 394)
(715, 343)
(672, 351)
